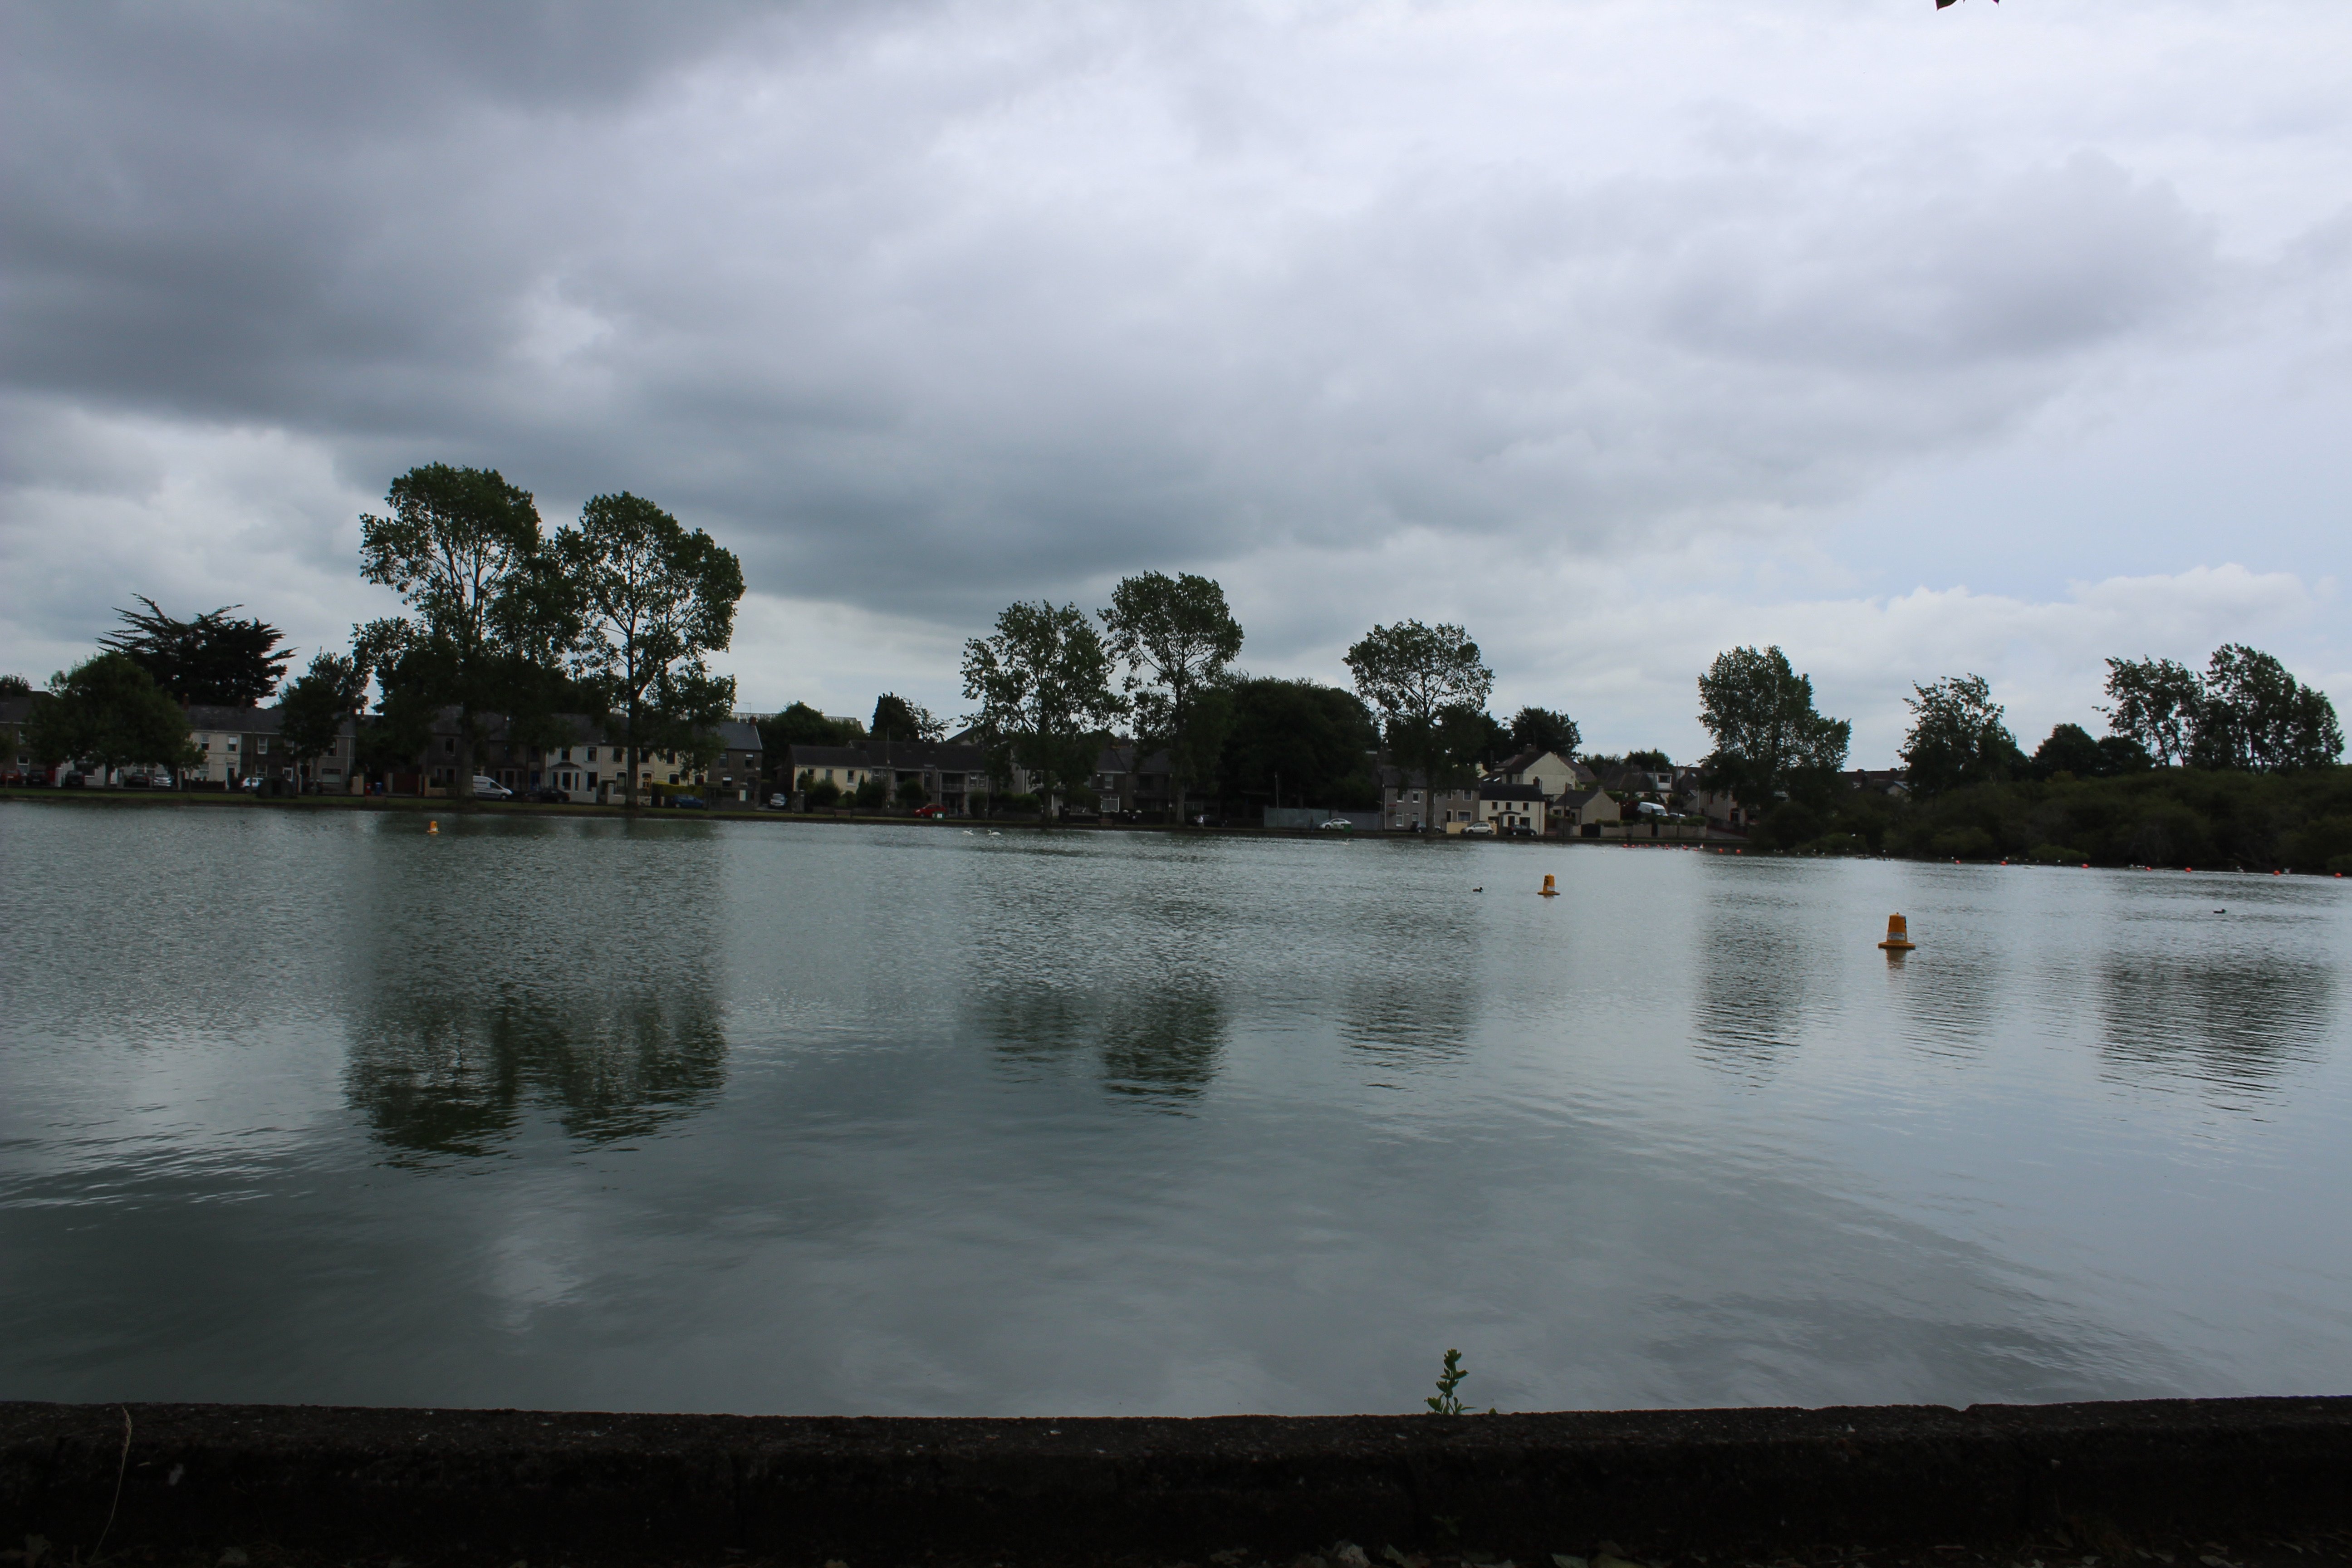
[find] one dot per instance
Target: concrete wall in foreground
(525, 1484)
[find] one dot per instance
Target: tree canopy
(463, 548)
(108, 711)
(1430, 686)
(1042, 682)
(1177, 638)
(655, 599)
(1769, 740)
(897, 718)
(1315, 739)
(2257, 717)
(802, 725)
(215, 658)
(1957, 736)
(310, 714)
(1541, 730)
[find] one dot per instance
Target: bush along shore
(2188, 818)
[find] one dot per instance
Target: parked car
(251, 784)
(1521, 831)
(489, 788)
(548, 795)
(689, 802)
(1478, 830)
(1336, 825)
(934, 809)
(780, 802)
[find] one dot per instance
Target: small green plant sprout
(1446, 1402)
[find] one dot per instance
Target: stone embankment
(309, 1484)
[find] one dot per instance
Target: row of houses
(1538, 794)
(1534, 794)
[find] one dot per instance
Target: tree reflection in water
(2234, 1024)
(454, 1076)
(1749, 1005)
(1161, 1042)
(592, 1001)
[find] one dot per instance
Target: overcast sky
(1997, 339)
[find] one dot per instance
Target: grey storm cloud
(1531, 315)
(921, 310)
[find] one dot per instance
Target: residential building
(1133, 788)
(17, 764)
(1548, 770)
(1408, 806)
(954, 775)
(1512, 808)
(740, 772)
(1578, 813)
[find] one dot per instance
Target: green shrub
(911, 794)
(1962, 844)
(2057, 855)
(872, 794)
(824, 795)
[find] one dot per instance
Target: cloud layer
(1620, 332)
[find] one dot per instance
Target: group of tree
(1051, 686)
(2178, 776)
(613, 617)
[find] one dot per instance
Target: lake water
(775, 1117)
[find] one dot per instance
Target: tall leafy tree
(2155, 701)
(2256, 716)
(1307, 740)
(655, 599)
(1957, 736)
(895, 719)
(802, 725)
(215, 658)
(108, 710)
(463, 548)
(1768, 740)
(316, 703)
(1541, 730)
(1042, 681)
(1426, 683)
(1177, 639)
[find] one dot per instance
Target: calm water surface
(782, 1117)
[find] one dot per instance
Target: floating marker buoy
(1898, 935)
(431, 825)
(1549, 891)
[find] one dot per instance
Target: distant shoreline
(415, 804)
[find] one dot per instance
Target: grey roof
(1121, 760)
(240, 721)
(1511, 792)
(900, 756)
(16, 710)
(737, 736)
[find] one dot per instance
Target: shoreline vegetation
(2165, 819)
(599, 636)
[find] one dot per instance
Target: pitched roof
(739, 736)
(243, 721)
(1511, 792)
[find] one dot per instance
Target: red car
(932, 810)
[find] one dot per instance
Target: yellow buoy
(432, 826)
(1898, 935)
(1549, 890)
